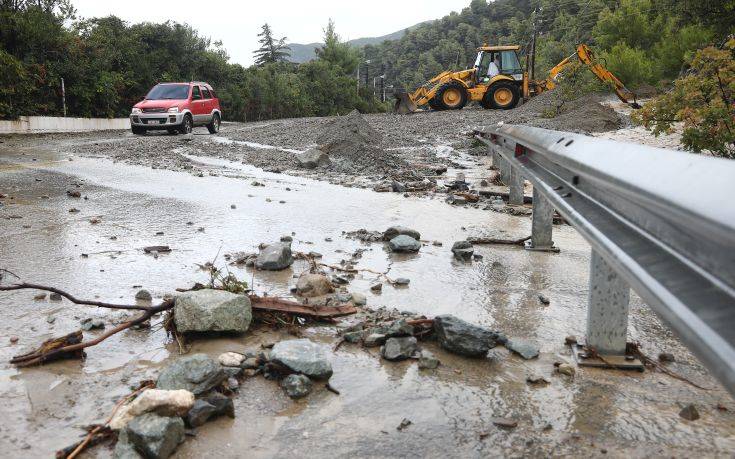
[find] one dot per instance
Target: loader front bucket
(404, 104)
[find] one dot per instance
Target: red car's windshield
(168, 91)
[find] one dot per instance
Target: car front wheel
(187, 125)
(138, 130)
(213, 126)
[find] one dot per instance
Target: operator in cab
(493, 68)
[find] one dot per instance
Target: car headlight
(173, 110)
(136, 110)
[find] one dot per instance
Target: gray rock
(402, 281)
(296, 386)
(399, 348)
(374, 339)
(463, 338)
(310, 285)
(155, 436)
(358, 299)
(92, 324)
(463, 250)
(196, 373)
(250, 363)
(302, 356)
(144, 295)
(200, 413)
(404, 243)
(353, 337)
(394, 231)
(212, 311)
(427, 361)
(398, 187)
(275, 257)
(223, 404)
(689, 412)
(398, 328)
(525, 349)
(311, 159)
(377, 287)
(124, 448)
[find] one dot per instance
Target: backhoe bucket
(404, 104)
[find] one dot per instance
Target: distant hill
(305, 52)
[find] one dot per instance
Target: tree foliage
(703, 100)
(271, 49)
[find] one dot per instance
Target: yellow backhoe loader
(498, 81)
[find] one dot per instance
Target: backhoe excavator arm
(585, 55)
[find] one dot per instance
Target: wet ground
(596, 413)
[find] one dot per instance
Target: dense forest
(108, 64)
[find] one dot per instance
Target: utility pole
(358, 77)
(63, 96)
(367, 72)
(533, 46)
(382, 82)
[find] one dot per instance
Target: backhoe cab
(502, 85)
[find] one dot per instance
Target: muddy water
(450, 408)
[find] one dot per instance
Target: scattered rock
(689, 412)
(155, 436)
(543, 300)
(14, 339)
(311, 285)
(395, 231)
(157, 249)
(143, 295)
(92, 324)
(196, 373)
(210, 310)
(353, 337)
(404, 243)
(666, 357)
(377, 287)
(200, 413)
(404, 423)
(55, 296)
(569, 340)
(275, 257)
(296, 385)
(536, 379)
(427, 360)
(302, 356)
(463, 250)
(73, 194)
(566, 369)
(374, 339)
(463, 338)
(402, 281)
(399, 348)
(505, 423)
(223, 405)
(358, 299)
(124, 448)
(161, 402)
(524, 349)
(231, 359)
(311, 159)
(398, 187)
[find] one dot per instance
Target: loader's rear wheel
(502, 96)
(433, 104)
(451, 96)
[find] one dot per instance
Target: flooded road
(451, 408)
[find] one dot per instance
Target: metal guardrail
(661, 222)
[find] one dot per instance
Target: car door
(208, 104)
(198, 105)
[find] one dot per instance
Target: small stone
(91, 323)
(296, 386)
(666, 357)
(73, 194)
(50, 319)
(374, 339)
(143, 295)
(395, 231)
(311, 159)
(505, 423)
(427, 360)
(399, 348)
(55, 296)
(250, 363)
(402, 281)
(196, 373)
(543, 300)
(231, 359)
(14, 339)
(73, 210)
(311, 285)
(233, 206)
(40, 296)
(524, 349)
(377, 287)
(463, 250)
(232, 384)
(353, 337)
(536, 379)
(404, 423)
(275, 257)
(200, 413)
(404, 244)
(689, 412)
(569, 340)
(358, 299)
(566, 369)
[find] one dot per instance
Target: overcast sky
(237, 23)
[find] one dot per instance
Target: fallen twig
(72, 298)
(492, 240)
(634, 349)
(331, 389)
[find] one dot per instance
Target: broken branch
(492, 240)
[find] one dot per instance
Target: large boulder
(275, 257)
(196, 373)
(311, 159)
(399, 348)
(463, 338)
(212, 311)
(154, 436)
(404, 243)
(394, 231)
(302, 356)
(311, 285)
(162, 402)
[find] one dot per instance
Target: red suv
(177, 107)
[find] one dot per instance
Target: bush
(631, 65)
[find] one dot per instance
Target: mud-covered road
(138, 188)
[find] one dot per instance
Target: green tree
(336, 52)
(271, 49)
(703, 101)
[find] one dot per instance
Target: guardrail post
(515, 193)
(541, 224)
(504, 170)
(607, 313)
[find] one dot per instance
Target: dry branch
(492, 240)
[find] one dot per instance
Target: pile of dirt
(550, 110)
(354, 146)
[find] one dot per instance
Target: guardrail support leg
(541, 224)
(496, 158)
(504, 170)
(607, 313)
(515, 193)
